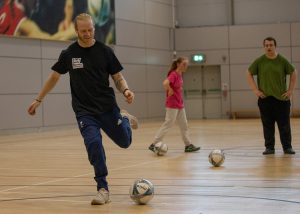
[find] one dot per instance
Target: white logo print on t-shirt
(76, 63)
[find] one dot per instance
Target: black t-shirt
(89, 70)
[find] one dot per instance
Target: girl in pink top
(173, 85)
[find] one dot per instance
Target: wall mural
(53, 19)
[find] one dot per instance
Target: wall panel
(158, 57)
(155, 76)
(238, 72)
(158, 37)
(18, 47)
(14, 114)
(20, 75)
(131, 55)
(156, 105)
(295, 34)
(132, 10)
(252, 36)
(130, 33)
(158, 14)
(296, 54)
(136, 77)
(201, 38)
(243, 100)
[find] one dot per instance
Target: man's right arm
(48, 86)
(253, 85)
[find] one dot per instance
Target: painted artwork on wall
(53, 19)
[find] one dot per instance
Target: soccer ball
(142, 191)
(216, 157)
(160, 148)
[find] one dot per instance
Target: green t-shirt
(271, 75)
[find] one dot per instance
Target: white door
(202, 92)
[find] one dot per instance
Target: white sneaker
(101, 198)
(132, 119)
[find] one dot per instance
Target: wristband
(126, 89)
(38, 100)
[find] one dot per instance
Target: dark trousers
(273, 110)
(115, 126)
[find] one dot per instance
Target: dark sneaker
(269, 152)
(289, 151)
(132, 119)
(152, 147)
(191, 148)
(101, 198)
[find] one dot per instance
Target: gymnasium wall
(144, 45)
(201, 13)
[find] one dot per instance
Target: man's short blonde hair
(81, 17)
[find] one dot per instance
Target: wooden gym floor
(48, 172)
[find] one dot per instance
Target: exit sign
(198, 58)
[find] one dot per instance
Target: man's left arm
(122, 86)
(293, 79)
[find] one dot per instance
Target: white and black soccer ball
(160, 148)
(142, 191)
(216, 157)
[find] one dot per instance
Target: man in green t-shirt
(274, 102)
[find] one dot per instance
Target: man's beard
(85, 40)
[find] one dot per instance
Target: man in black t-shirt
(89, 64)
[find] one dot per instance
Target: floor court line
(77, 176)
